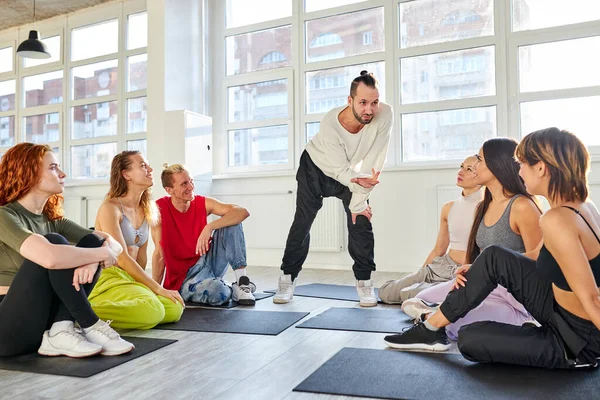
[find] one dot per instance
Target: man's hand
(204, 240)
(367, 213)
(368, 182)
(84, 274)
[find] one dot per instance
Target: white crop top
(460, 220)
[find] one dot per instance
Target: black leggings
(38, 297)
(313, 186)
(563, 341)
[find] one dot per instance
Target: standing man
(343, 160)
(195, 253)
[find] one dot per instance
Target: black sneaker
(418, 337)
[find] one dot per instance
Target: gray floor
(217, 365)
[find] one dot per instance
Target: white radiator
(272, 213)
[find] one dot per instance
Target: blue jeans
(204, 281)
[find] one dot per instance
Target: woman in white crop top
(450, 248)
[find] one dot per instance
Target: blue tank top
(130, 233)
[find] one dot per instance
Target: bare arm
(107, 220)
(443, 238)
(158, 261)
(38, 249)
(563, 242)
(526, 218)
(230, 214)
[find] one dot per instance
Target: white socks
(60, 326)
(238, 273)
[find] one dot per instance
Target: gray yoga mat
(235, 321)
(230, 304)
(325, 291)
(394, 374)
(359, 319)
(81, 367)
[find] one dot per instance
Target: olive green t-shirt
(17, 224)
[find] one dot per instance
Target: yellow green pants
(130, 304)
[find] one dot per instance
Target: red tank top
(179, 236)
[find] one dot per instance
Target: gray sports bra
(130, 233)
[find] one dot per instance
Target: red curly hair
(20, 169)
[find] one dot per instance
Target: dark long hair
(499, 157)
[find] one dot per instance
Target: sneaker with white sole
(242, 291)
(366, 293)
(417, 309)
(418, 337)
(102, 334)
(285, 290)
(67, 342)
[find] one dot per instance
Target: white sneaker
(102, 334)
(366, 293)
(242, 291)
(417, 308)
(68, 343)
(285, 290)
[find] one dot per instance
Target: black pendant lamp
(33, 47)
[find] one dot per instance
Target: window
(93, 80)
(325, 39)
(53, 44)
(43, 89)
(137, 78)
(136, 115)
(95, 40)
(137, 30)
(7, 95)
(7, 131)
(241, 50)
(536, 14)
(274, 56)
(315, 5)
(6, 59)
(244, 12)
(461, 17)
(367, 38)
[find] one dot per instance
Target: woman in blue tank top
(560, 290)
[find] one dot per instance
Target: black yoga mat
(81, 367)
(359, 319)
(230, 304)
(235, 321)
(324, 291)
(394, 374)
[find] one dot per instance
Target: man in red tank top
(191, 254)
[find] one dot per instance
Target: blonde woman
(124, 293)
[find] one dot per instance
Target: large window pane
(315, 5)
(95, 80)
(536, 14)
(137, 72)
(92, 161)
(345, 35)
(312, 128)
(259, 146)
(42, 128)
(578, 115)
(94, 120)
(258, 101)
(245, 12)
(7, 131)
(53, 44)
(451, 134)
(7, 95)
(6, 59)
(259, 50)
(443, 76)
(137, 30)
(139, 145)
(560, 65)
(43, 89)
(329, 88)
(95, 40)
(425, 22)
(136, 115)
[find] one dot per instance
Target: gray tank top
(500, 234)
(130, 233)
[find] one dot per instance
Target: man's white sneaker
(102, 334)
(285, 290)
(67, 342)
(366, 293)
(242, 291)
(417, 309)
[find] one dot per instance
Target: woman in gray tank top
(508, 216)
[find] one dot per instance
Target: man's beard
(359, 119)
